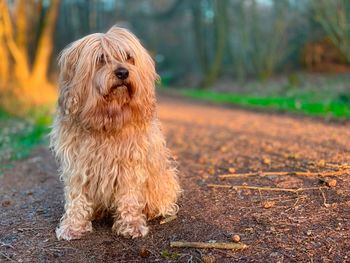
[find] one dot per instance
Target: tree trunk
(4, 65)
(31, 87)
(21, 70)
(221, 39)
(45, 45)
(21, 30)
(198, 36)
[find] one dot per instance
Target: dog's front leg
(77, 218)
(130, 221)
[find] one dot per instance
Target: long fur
(107, 138)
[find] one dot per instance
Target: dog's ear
(68, 60)
(67, 102)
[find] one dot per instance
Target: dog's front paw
(69, 232)
(130, 230)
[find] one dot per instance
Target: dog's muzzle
(119, 90)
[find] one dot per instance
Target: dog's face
(106, 81)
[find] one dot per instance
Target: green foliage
(321, 97)
(305, 105)
(19, 136)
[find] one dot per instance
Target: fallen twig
(6, 245)
(279, 199)
(7, 257)
(321, 163)
(324, 199)
(321, 174)
(185, 244)
(341, 166)
(167, 219)
(60, 248)
(293, 190)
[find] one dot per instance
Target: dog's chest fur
(103, 164)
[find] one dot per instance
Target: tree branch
(321, 174)
(185, 244)
(292, 190)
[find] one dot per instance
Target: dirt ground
(208, 141)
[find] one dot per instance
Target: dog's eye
(130, 59)
(102, 59)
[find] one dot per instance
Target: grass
(19, 136)
(295, 104)
(325, 96)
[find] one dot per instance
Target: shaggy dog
(107, 138)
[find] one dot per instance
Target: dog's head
(106, 81)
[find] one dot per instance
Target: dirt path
(207, 142)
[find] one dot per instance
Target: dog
(107, 138)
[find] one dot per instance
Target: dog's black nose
(121, 73)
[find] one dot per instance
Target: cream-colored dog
(107, 137)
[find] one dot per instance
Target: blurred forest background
(239, 51)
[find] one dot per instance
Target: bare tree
(199, 33)
(210, 57)
(258, 37)
(334, 17)
(220, 29)
(30, 79)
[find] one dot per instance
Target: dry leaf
(208, 259)
(268, 204)
(144, 252)
(331, 183)
(267, 161)
(321, 163)
(232, 170)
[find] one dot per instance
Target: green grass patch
(304, 103)
(170, 255)
(19, 136)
